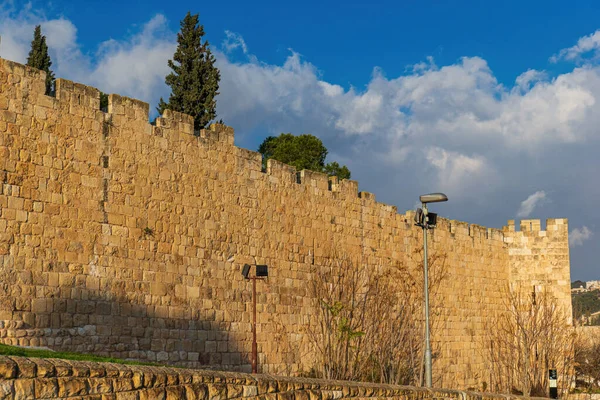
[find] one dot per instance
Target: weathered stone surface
(217, 391)
(69, 387)
(8, 368)
(100, 385)
(152, 394)
(24, 388)
(45, 388)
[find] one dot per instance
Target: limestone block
(8, 368)
(70, 387)
(217, 391)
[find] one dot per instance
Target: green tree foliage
(194, 80)
(334, 169)
(39, 58)
(104, 101)
(585, 303)
(302, 152)
(577, 284)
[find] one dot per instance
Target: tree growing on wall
(302, 152)
(194, 79)
(40, 59)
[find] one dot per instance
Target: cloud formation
(585, 45)
(580, 235)
(134, 67)
(234, 41)
(530, 203)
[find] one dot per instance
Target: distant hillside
(585, 304)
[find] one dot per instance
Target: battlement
(534, 226)
(131, 109)
(76, 94)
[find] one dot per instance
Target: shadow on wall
(65, 314)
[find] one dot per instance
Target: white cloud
(528, 205)
(16, 31)
(134, 67)
(579, 235)
(234, 41)
(458, 173)
(528, 78)
(586, 44)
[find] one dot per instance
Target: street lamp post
(427, 220)
(261, 272)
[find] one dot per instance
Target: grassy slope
(6, 350)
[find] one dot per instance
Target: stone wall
(126, 239)
(28, 378)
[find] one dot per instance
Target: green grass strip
(6, 350)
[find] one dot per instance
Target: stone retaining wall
(28, 378)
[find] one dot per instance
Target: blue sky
(495, 103)
(346, 39)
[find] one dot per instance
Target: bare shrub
(587, 364)
(532, 336)
(368, 321)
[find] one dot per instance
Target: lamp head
(259, 271)
(433, 198)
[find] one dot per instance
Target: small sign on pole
(553, 384)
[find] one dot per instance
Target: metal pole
(426, 284)
(254, 348)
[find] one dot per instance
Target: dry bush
(368, 321)
(587, 364)
(532, 336)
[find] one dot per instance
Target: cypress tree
(194, 79)
(103, 101)
(39, 58)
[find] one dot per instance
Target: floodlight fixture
(245, 271)
(431, 219)
(433, 198)
(262, 270)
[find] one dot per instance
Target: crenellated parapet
(533, 227)
(77, 95)
(127, 108)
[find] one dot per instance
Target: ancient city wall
(122, 238)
